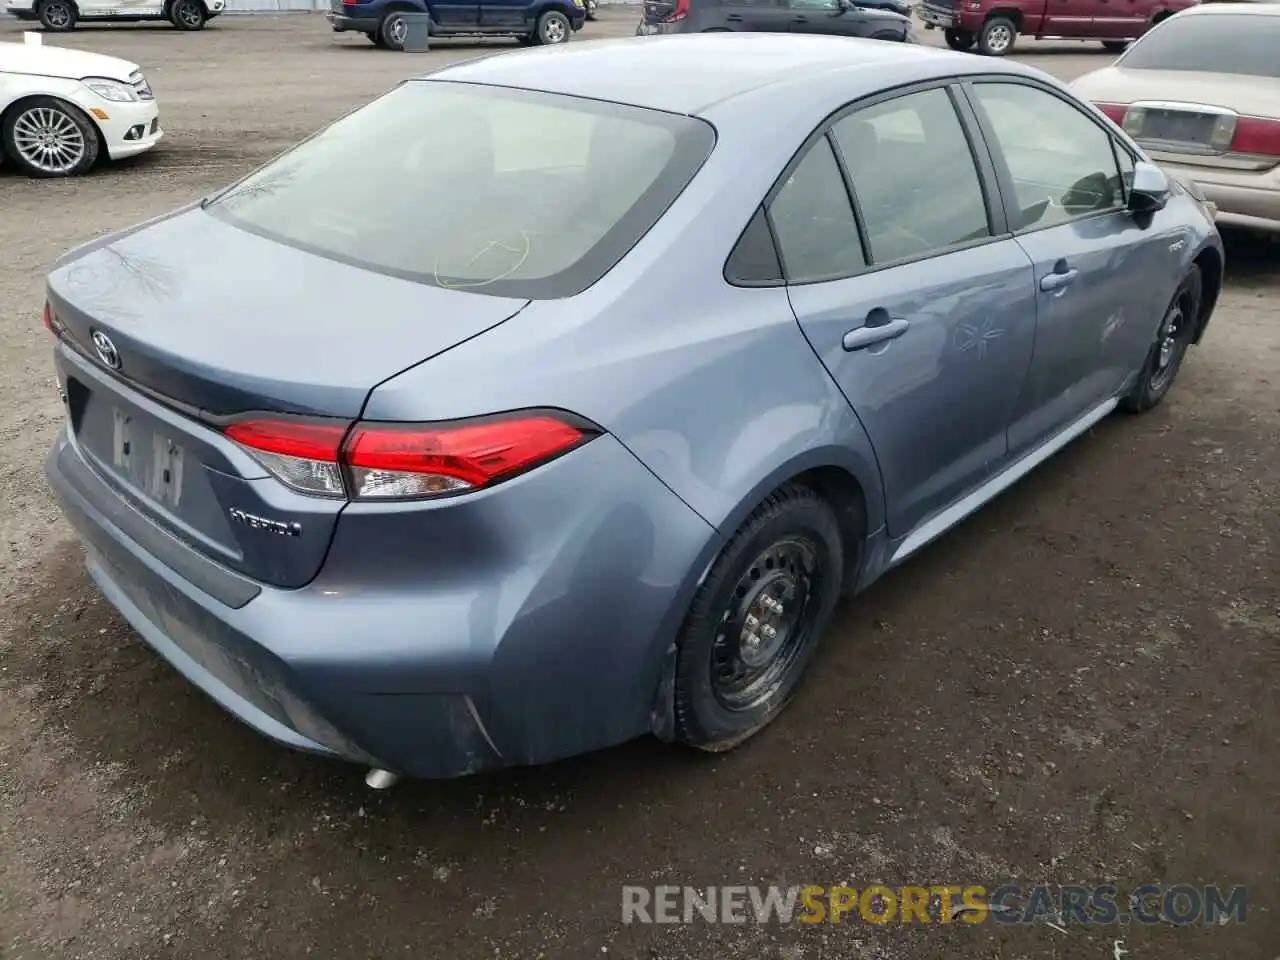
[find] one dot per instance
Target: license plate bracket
(147, 458)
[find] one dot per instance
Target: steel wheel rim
(766, 625)
(189, 15)
(553, 30)
(57, 14)
(1170, 344)
(48, 139)
(397, 29)
(998, 38)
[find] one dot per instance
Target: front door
(1093, 321)
(504, 13)
(927, 322)
(1067, 18)
(457, 16)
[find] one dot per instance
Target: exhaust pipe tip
(381, 779)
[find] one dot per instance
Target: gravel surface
(1077, 686)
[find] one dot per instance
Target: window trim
(988, 179)
(1000, 162)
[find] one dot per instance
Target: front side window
(1062, 163)
(813, 220)
(914, 175)
(493, 190)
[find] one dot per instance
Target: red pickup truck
(994, 25)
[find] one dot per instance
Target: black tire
(553, 27)
(789, 548)
(391, 31)
(961, 40)
(890, 37)
(997, 37)
(188, 14)
(1115, 46)
(58, 16)
(10, 131)
(1177, 330)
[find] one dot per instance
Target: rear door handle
(1056, 281)
(872, 332)
(733, 18)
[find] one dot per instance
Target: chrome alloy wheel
(49, 139)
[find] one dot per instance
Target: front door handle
(1056, 281)
(733, 18)
(872, 333)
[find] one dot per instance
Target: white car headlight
(112, 90)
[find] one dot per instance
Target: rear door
(913, 296)
(821, 17)
(756, 16)
(1066, 199)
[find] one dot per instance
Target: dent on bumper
(432, 646)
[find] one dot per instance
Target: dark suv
(877, 19)
(532, 21)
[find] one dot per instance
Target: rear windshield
(501, 191)
(1211, 43)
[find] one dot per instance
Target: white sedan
(60, 110)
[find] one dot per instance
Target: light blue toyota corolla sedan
(496, 423)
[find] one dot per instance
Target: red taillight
(51, 322)
(405, 461)
(1114, 111)
(680, 12)
(1257, 136)
(299, 454)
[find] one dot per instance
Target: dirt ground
(1077, 686)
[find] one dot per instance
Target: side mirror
(1150, 190)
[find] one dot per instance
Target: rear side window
(1211, 43)
(509, 192)
(814, 221)
(914, 175)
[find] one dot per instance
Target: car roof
(691, 73)
(1255, 9)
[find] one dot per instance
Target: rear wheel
(392, 31)
(1177, 330)
(553, 27)
(1115, 46)
(57, 15)
(188, 15)
(757, 619)
(997, 36)
(958, 39)
(49, 138)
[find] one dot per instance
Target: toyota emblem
(106, 350)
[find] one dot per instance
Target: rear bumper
(523, 626)
(936, 17)
(1243, 197)
(344, 24)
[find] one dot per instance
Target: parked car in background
(59, 15)
(570, 419)
(62, 110)
(993, 26)
(1201, 93)
(841, 18)
(530, 21)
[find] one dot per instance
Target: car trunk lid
(171, 332)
